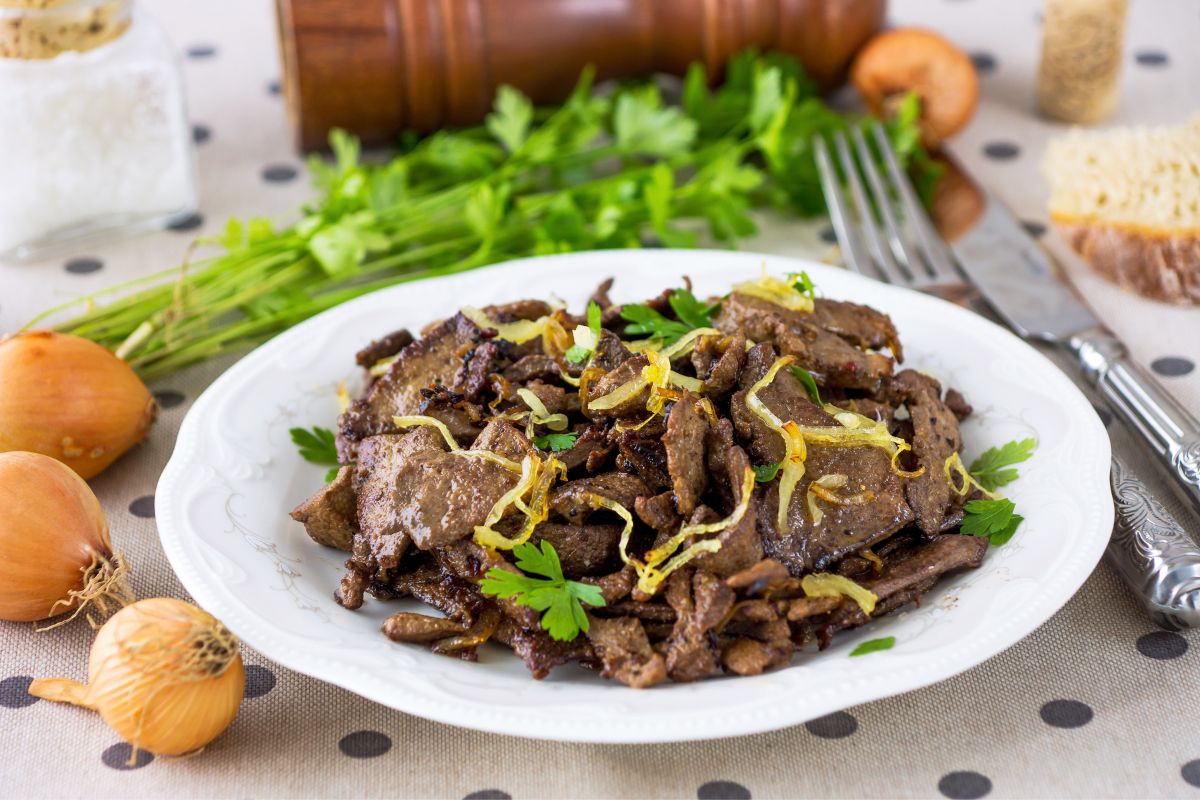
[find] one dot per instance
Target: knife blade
(1026, 290)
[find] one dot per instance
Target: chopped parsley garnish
(691, 312)
(810, 383)
(561, 601)
(765, 473)
(317, 446)
(873, 646)
(577, 353)
(555, 442)
(804, 285)
(991, 518)
(990, 468)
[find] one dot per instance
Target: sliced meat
(600, 295)
(386, 347)
(741, 546)
(433, 360)
(843, 529)
(935, 438)
(590, 449)
(538, 651)
(701, 601)
(644, 455)
(462, 418)
(458, 599)
(955, 401)
(473, 378)
(570, 500)
(582, 549)
(427, 495)
(532, 366)
(625, 652)
(860, 325)
(614, 586)
(788, 400)
(758, 577)
(610, 352)
(330, 515)
(554, 398)
(504, 439)
(687, 425)
(913, 572)
(518, 309)
(658, 511)
(830, 357)
(404, 626)
(627, 371)
(745, 656)
(719, 368)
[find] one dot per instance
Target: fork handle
(1170, 430)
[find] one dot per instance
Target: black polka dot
(169, 398)
(1106, 417)
(186, 223)
(1151, 58)
(828, 235)
(201, 133)
(200, 51)
(1033, 227)
(365, 744)
(1001, 151)
(488, 794)
(1190, 772)
(1162, 645)
(84, 265)
(1172, 366)
(984, 62)
(143, 507)
(274, 88)
(722, 790)
(14, 692)
(259, 680)
(837, 725)
(279, 173)
(118, 757)
(964, 785)
(1066, 713)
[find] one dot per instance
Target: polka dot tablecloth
(1096, 703)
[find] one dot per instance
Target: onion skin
(141, 683)
(70, 399)
(52, 530)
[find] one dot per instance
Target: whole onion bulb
(55, 552)
(70, 399)
(164, 674)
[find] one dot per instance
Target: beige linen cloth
(1096, 703)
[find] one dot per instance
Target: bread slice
(1128, 200)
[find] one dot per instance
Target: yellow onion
(55, 552)
(165, 675)
(70, 399)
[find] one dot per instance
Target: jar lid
(40, 29)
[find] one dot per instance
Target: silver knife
(1019, 281)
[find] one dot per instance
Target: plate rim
(256, 631)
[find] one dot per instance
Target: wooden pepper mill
(379, 67)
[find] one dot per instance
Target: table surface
(1097, 702)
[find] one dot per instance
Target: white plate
(223, 499)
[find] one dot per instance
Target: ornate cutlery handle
(1169, 428)
(1153, 554)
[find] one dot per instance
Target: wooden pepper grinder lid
(380, 67)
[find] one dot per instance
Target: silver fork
(885, 234)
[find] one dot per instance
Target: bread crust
(1161, 267)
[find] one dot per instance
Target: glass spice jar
(94, 138)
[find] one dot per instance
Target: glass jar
(94, 137)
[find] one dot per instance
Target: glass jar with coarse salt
(94, 137)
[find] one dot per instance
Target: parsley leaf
(642, 126)
(691, 312)
(873, 646)
(987, 517)
(804, 285)
(765, 473)
(810, 383)
(577, 354)
(561, 601)
(1002, 536)
(555, 442)
(317, 446)
(989, 468)
(509, 123)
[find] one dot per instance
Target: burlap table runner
(1097, 702)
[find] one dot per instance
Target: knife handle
(1152, 554)
(1172, 432)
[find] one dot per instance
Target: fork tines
(882, 228)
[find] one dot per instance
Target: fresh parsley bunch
(600, 170)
